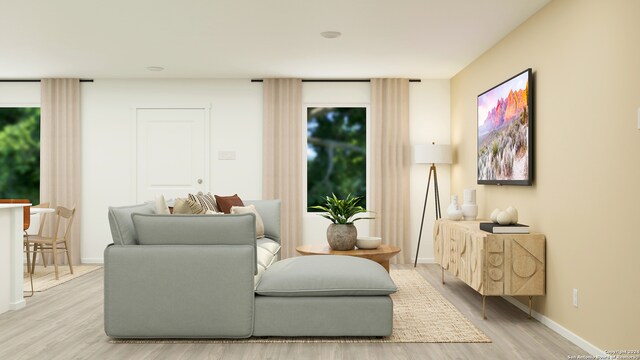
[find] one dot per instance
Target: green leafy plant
(342, 211)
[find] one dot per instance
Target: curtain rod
(33, 80)
(337, 80)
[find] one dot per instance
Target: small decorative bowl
(368, 242)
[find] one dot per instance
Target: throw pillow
(206, 201)
(226, 202)
(161, 205)
(247, 210)
(195, 207)
(181, 206)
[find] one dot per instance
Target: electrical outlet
(575, 297)
(226, 155)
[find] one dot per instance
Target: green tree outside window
(336, 153)
(20, 153)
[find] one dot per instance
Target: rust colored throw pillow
(226, 202)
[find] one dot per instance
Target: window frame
(304, 120)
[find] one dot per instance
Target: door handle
(199, 181)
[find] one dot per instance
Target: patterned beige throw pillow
(247, 210)
(195, 207)
(181, 207)
(206, 201)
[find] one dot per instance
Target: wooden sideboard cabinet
(492, 264)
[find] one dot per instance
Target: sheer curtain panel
(60, 150)
(283, 154)
(390, 160)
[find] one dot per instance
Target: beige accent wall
(585, 55)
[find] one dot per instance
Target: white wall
(108, 143)
(429, 121)
(236, 124)
(19, 94)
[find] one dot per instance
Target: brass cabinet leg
(441, 267)
(530, 300)
(484, 305)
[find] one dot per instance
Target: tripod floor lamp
(431, 154)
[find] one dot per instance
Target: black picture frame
(505, 132)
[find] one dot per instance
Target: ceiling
(431, 39)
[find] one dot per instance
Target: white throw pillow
(161, 205)
(247, 210)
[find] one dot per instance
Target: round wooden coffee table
(381, 255)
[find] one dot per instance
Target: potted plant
(342, 234)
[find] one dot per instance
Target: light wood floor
(66, 322)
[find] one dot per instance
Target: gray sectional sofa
(207, 276)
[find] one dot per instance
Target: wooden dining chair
(56, 243)
(43, 218)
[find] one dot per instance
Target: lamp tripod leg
(437, 192)
(424, 209)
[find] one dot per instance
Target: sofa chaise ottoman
(207, 276)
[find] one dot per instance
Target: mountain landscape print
(503, 132)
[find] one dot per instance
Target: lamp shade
(432, 154)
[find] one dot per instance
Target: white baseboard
(426, 261)
(99, 261)
(17, 304)
(564, 332)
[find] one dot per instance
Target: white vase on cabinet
(454, 212)
(469, 207)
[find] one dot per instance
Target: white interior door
(172, 152)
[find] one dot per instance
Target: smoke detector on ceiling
(330, 34)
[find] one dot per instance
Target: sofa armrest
(179, 291)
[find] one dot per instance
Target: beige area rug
(45, 277)
(420, 315)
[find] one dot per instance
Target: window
(20, 153)
(336, 153)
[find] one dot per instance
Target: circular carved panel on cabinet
(524, 266)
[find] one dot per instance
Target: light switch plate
(226, 155)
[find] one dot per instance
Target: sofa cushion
(268, 244)
(325, 275)
(258, 275)
(195, 229)
(266, 254)
(122, 230)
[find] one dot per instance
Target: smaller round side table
(381, 255)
